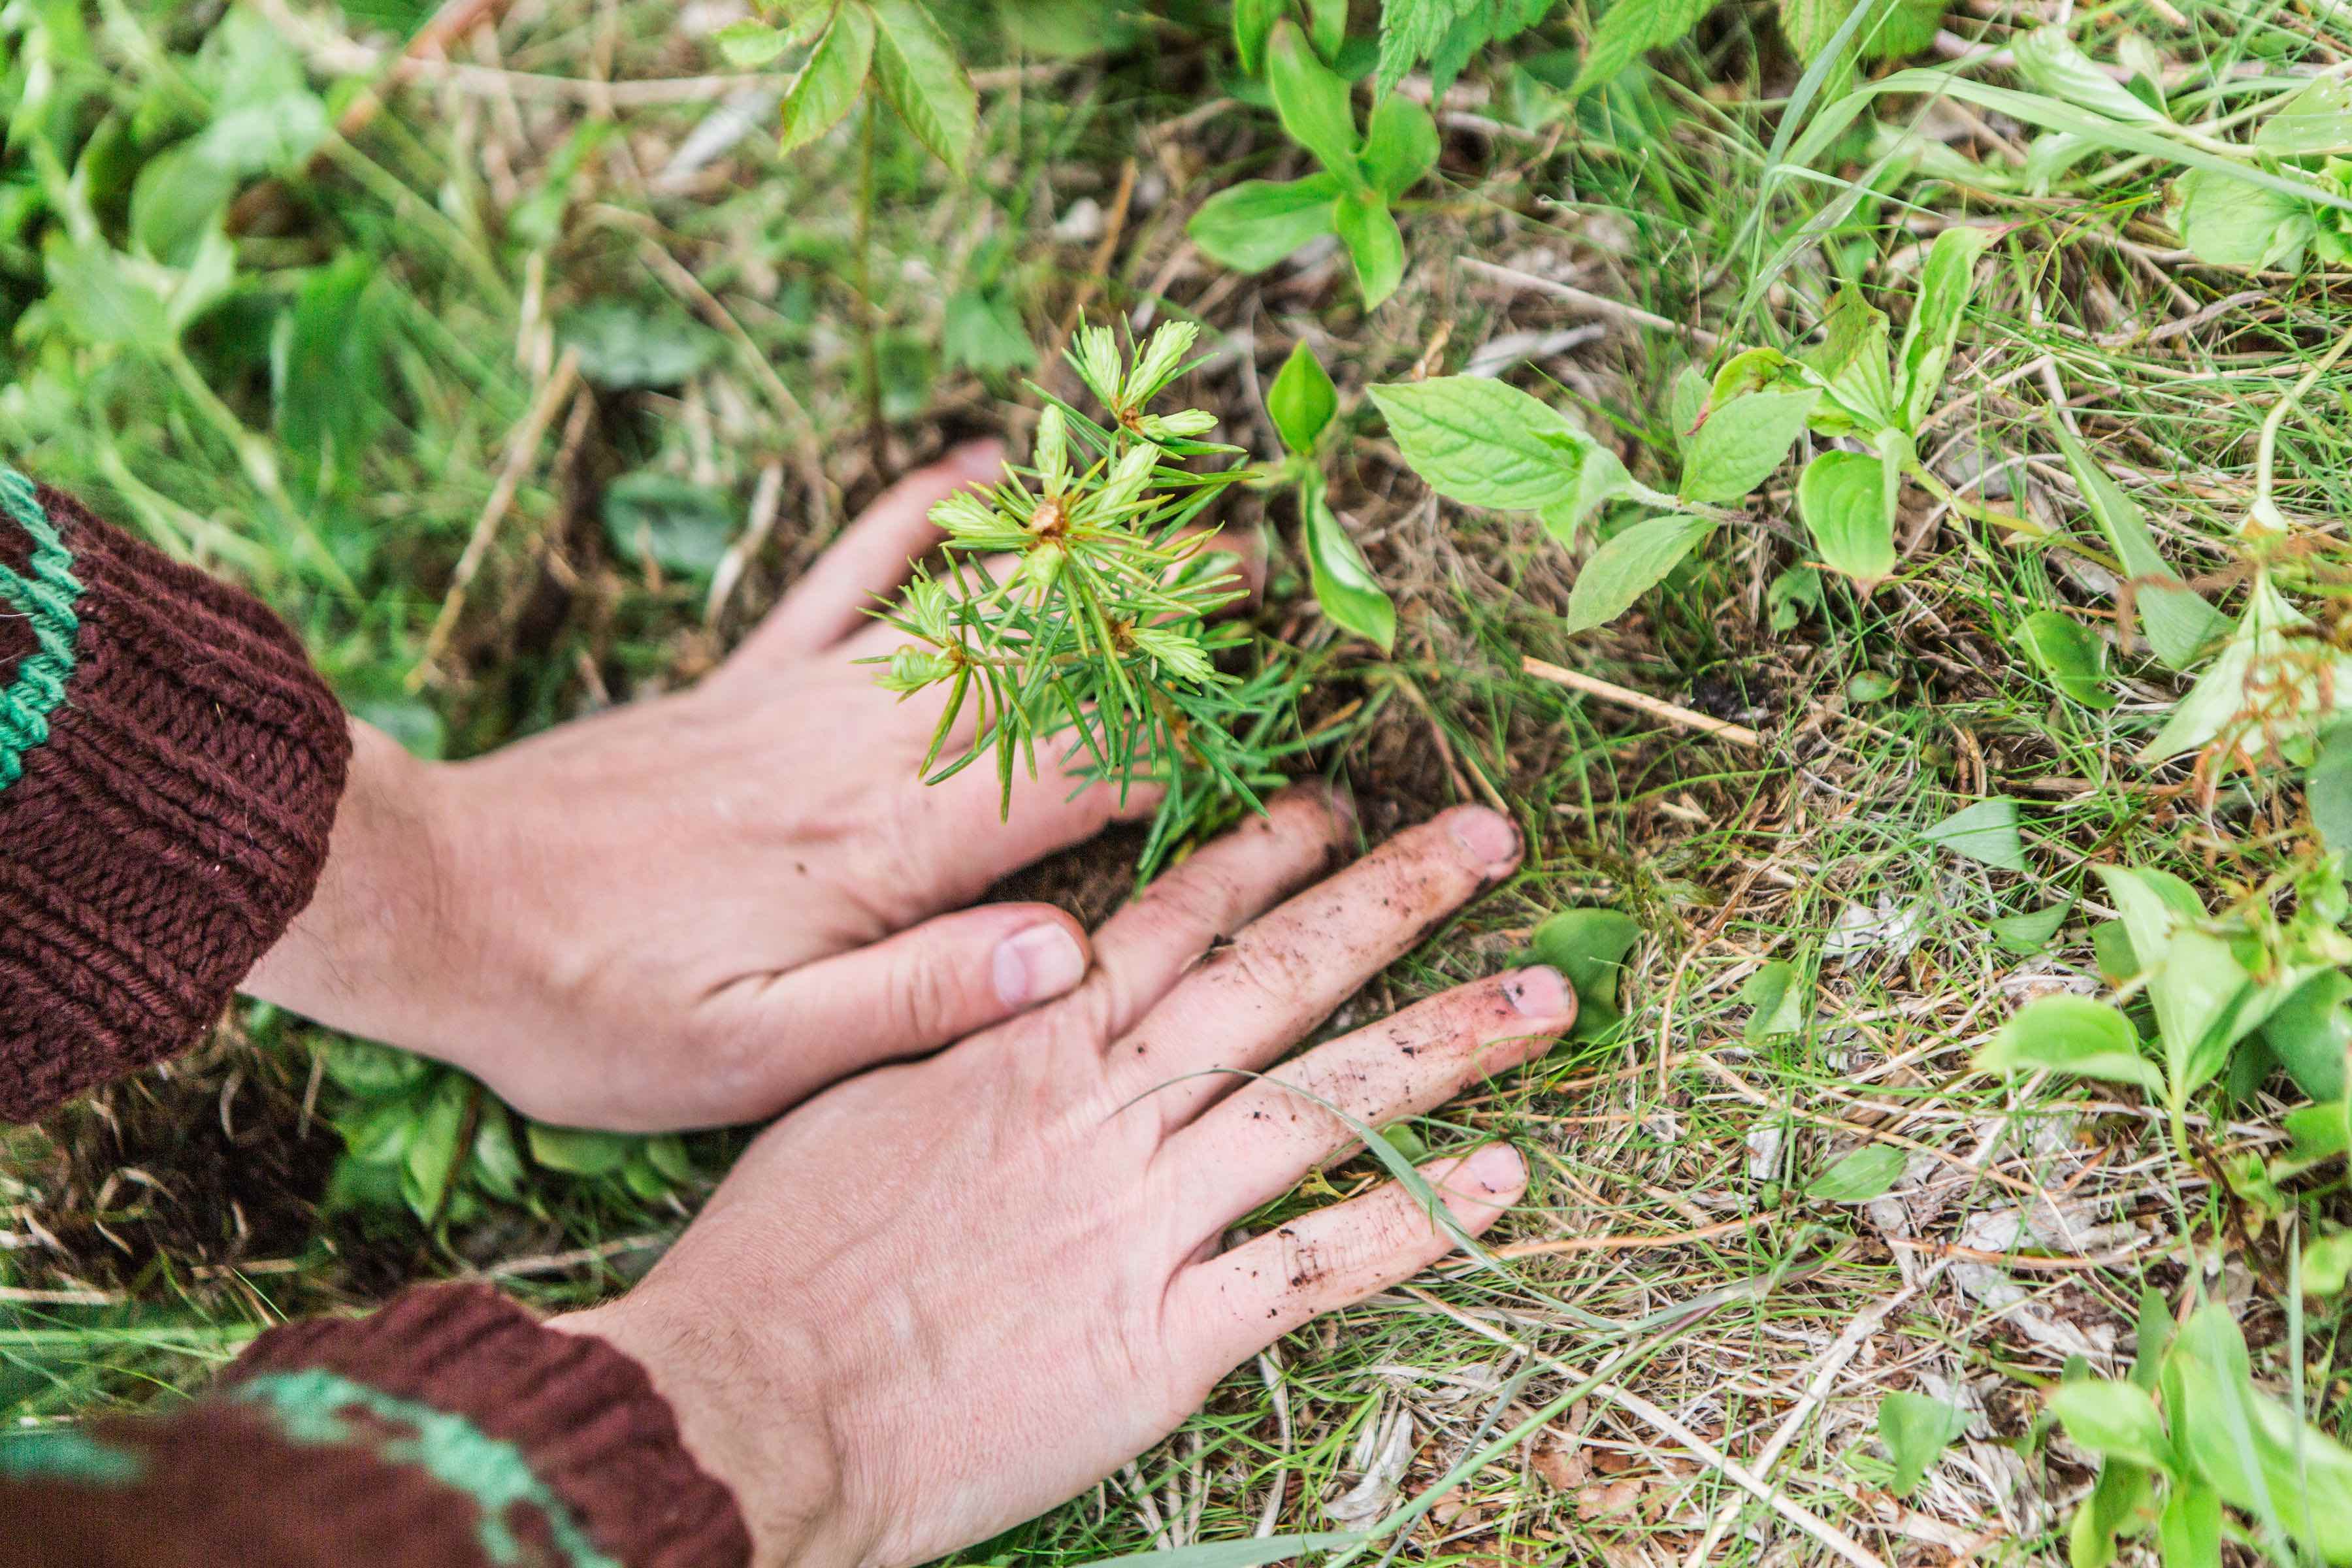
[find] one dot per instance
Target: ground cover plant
(1861, 485)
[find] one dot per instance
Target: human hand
(699, 909)
(946, 1295)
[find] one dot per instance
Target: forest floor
(1710, 1324)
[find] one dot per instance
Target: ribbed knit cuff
(562, 1430)
(450, 1430)
(169, 766)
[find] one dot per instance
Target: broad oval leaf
(1916, 1429)
(831, 79)
(1258, 223)
(2231, 222)
(1301, 400)
(1399, 145)
(1865, 1173)
(671, 522)
(2067, 651)
(918, 72)
(1738, 445)
(1986, 831)
(1629, 565)
(1842, 496)
(2311, 1031)
(2072, 1034)
(2115, 1421)
(1482, 442)
(1589, 948)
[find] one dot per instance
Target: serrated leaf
(2072, 1034)
(1255, 224)
(1344, 585)
(1482, 442)
(747, 43)
(1986, 832)
(1629, 565)
(2179, 623)
(1916, 1430)
(1375, 244)
(1865, 1173)
(1945, 281)
(832, 78)
(1313, 101)
(1632, 28)
(1301, 400)
(1399, 145)
(2050, 59)
(1738, 445)
(1895, 28)
(918, 72)
(1843, 498)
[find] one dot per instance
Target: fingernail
(1031, 965)
(1498, 1168)
(1538, 991)
(1486, 837)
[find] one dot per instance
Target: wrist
(372, 952)
(740, 1422)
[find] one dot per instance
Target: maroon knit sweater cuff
(582, 1416)
(169, 817)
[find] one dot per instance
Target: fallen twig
(1657, 708)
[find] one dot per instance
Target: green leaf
(2257, 1453)
(327, 372)
(1313, 101)
(1632, 28)
(1778, 1000)
(1843, 498)
(2115, 1421)
(1344, 585)
(2049, 59)
(1792, 593)
(2030, 932)
(1685, 406)
(2062, 648)
(431, 1158)
(1854, 366)
(1255, 224)
(2327, 789)
(2073, 1035)
(2327, 1264)
(1865, 1173)
(579, 1150)
(95, 294)
(1945, 281)
(1589, 948)
(2179, 623)
(496, 1162)
(1302, 401)
(1327, 25)
(1599, 476)
(1916, 1430)
(1399, 145)
(1738, 445)
(672, 522)
(1896, 26)
(1629, 565)
(2189, 1531)
(918, 72)
(748, 45)
(178, 195)
(832, 78)
(981, 330)
(1482, 442)
(2313, 119)
(2122, 1502)
(1254, 22)
(2231, 222)
(623, 347)
(371, 1071)
(1375, 244)
(2310, 1033)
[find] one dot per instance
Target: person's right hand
(946, 1295)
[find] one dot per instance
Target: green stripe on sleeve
(46, 595)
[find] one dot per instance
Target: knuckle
(925, 999)
(1277, 970)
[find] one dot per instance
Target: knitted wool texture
(167, 785)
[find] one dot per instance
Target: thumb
(926, 987)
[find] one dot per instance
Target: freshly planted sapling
(1255, 224)
(1080, 609)
(1302, 404)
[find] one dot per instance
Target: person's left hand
(700, 909)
